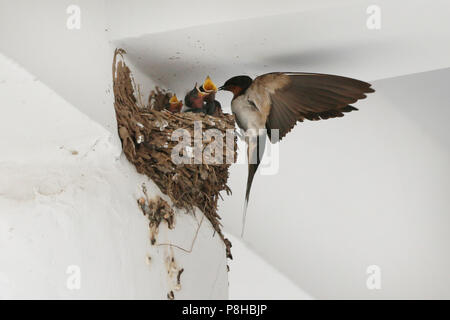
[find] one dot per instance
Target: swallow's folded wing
(290, 97)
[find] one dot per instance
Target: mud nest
(146, 131)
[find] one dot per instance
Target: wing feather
(286, 98)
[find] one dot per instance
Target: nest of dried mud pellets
(146, 134)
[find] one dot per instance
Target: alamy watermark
(373, 21)
(213, 147)
(373, 281)
(73, 281)
(74, 19)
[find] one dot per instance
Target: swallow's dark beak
(221, 88)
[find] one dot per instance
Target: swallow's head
(237, 84)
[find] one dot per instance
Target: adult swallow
(279, 100)
(174, 104)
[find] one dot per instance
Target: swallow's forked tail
(255, 151)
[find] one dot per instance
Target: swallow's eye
(250, 102)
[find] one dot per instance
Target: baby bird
(212, 106)
(174, 104)
(203, 99)
(194, 100)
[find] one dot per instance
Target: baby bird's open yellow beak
(174, 99)
(209, 86)
(175, 105)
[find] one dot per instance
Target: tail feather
(255, 153)
(251, 173)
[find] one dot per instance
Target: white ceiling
(328, 39)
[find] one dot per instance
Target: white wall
(74, 63)
(66, 197)
(251, 277)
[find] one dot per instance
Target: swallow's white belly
(247, 115)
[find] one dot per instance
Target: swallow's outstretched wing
(288, 97)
